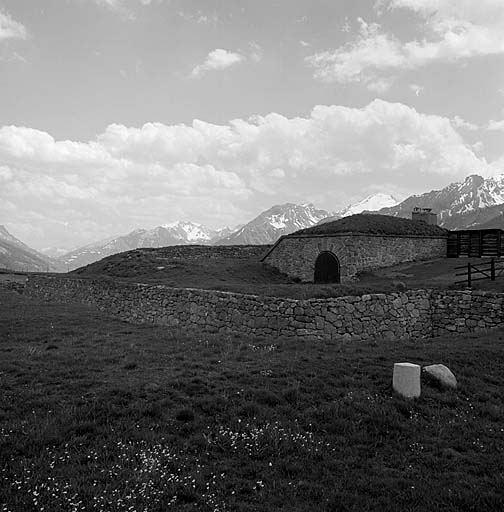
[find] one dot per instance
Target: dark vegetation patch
(374, 224)
(212, 423)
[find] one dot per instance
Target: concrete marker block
(406, 379)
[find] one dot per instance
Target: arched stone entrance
(327, 268)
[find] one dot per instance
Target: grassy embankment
(96, 414)
(251, 276)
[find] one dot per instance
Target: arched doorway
(327, 268)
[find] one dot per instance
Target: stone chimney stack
(425, 215)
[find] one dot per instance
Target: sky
(125, 114)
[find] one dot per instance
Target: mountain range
(176, 233)
(472, 202)
(279, 220)
(15, 255)
(464, 204)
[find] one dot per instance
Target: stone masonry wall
(465, 311)
(296, 255)
(413, 314)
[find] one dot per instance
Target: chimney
(424, 215)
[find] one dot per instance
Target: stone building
(336, 251)
(425, 215)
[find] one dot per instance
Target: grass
(376, 224)
(251, 276)
(100, 415)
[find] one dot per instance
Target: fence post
(492, 270)
(469, 275)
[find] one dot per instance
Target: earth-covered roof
(366, 223)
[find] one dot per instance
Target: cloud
(462, 124)
(351, 62)
(129, 177)
(416, 89)
(12, 57)
(496, 126)
(346, 27)
(380, 85)
(118, 4)
(123, 7)
(453, 31)
(256, 51)
(217, 60)
(10, 28)
(200, 17)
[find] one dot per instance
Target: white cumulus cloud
(349, 63)
(129, 177)
(453, 31)
(496, 126)
(217, 60)
(10, 28)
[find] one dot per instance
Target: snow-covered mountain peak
(372, 202)
(457, 202)
(280, 219)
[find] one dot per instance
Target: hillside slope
(16, 255)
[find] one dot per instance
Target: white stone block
(406, 380)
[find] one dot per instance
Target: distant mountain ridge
(16, 255)
(459, 205)
(473, 202)
(175, 233)
(278, 220)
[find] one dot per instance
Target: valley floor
(97, 414)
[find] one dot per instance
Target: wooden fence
(475, 243)
(487, 270)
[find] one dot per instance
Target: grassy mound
(252, 277)
(247, 276)
(374, 224)
(153, 266)
(96, 414)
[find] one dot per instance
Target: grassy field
(100, 415)
(251, 276)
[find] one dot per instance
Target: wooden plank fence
(475, 243)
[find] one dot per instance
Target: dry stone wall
(413, 314)
(467, 311)
(296, 255)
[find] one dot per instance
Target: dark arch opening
(327, 268)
